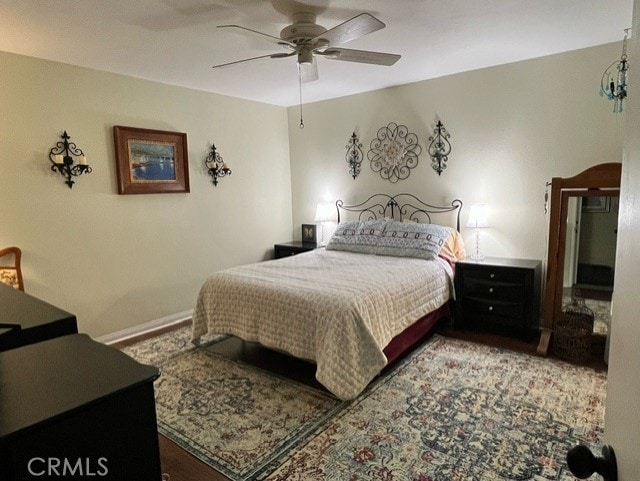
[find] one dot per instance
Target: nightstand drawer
(280, 252)
(493, 290)
(495, 274)
(512, 310)
(287, 249)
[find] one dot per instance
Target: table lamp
(478, 220)
(324, 213)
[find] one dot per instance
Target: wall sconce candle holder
(61, 157)
(439, 148)
(354, 155)
(216, 166)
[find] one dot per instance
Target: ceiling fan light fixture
(305, 56)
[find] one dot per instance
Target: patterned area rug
(238, 419)
(452, 410)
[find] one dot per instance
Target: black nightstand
(292, 248)
(499, 295)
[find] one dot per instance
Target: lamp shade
(478, 216)
(324, 212)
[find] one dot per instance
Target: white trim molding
(146, 327)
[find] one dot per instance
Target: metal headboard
(400, 207)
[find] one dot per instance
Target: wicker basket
(573, 332)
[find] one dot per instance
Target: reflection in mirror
(590, 252)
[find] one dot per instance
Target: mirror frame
(599, 180)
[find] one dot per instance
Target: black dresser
(25, 319)
(500, 295)
(73, 408)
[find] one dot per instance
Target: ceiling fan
(306, 39)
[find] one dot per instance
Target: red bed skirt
(414, 333)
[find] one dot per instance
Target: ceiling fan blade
(271, 38)
(361, 56)
(270, 55)
(351, 29)
(308, 71)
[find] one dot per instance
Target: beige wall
(512, 127)
(118, 261)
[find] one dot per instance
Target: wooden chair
(10, 271)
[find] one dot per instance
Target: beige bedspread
(338, 309)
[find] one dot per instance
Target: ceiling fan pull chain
(300, 90)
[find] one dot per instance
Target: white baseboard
(145, 328)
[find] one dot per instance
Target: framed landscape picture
(150, 161)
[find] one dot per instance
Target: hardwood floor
(182, 466)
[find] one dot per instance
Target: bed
(383, 281)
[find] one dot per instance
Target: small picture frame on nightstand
(309, 234)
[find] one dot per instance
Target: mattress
(337, 309)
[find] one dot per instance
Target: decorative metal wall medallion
(439, 148)
(394, 152)
(354, 155)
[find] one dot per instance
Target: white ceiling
(176, 41)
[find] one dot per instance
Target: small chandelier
(614, 79)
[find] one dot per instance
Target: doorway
(592, 227)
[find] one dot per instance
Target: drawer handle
(490, 308)
(491, 290)
(492, 275)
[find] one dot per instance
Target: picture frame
(309, 234)
(596, 203)
(150, 161)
